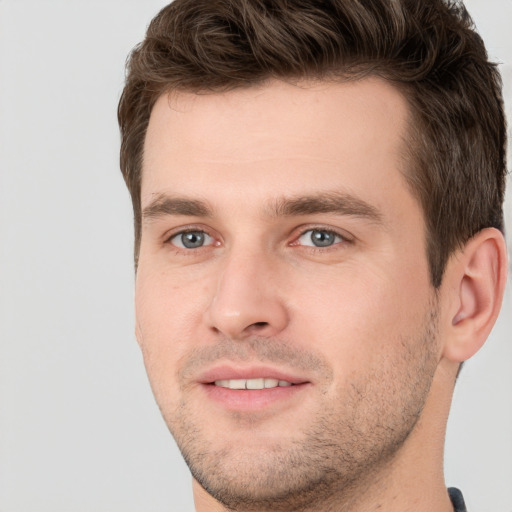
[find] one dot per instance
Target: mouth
(254, 384)
(252, 389)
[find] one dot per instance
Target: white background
(79, 430)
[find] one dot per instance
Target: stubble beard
(339, 455)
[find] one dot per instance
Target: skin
(356, 323)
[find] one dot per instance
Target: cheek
(167, 304)
(357, 318)
(167, 315)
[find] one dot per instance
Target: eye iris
(322, 238)
(192, 240)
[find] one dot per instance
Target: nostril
(260, 324)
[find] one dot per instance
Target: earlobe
(478, 278)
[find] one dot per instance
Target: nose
(247, 300)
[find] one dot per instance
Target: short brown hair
(428, 48)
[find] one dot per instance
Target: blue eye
(191, 240)
(319, 238)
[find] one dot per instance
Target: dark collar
(457, 500)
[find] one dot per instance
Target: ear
(476, 280)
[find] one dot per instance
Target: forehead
(277, 138)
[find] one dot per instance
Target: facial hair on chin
(349, 440)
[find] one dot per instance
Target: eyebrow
(337, 203)
(164, 205)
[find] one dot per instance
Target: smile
(259, 383)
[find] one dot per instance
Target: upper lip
(231, 372)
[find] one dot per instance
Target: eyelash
(344, 239)
(169, 239)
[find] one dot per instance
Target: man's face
(283, 251)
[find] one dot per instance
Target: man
(318, 191)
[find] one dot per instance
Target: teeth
(237, 384)
(252, 383)
(255, 384)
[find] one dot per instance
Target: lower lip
(252, 399)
